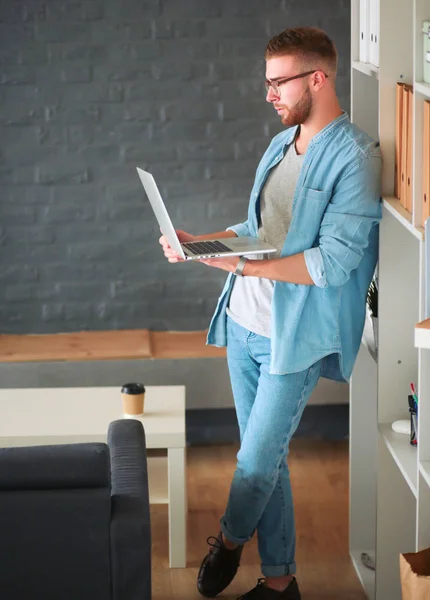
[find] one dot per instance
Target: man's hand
(229, 263)
(169, 253)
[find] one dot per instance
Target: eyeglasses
(275, 83)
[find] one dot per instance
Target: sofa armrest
(130, 520)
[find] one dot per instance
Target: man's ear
(318, 80)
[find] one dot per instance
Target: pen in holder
(413, 409)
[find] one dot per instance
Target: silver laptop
(236, 246)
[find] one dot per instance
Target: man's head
(304, 51)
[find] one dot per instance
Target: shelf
(365, 68)
(422, 88)
(365, 575)
(394, 207)
(403, 453)
(422, 334)
(390, 500)
(425, 471)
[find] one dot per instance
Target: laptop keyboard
(206, 247)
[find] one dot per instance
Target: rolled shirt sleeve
(241, 229)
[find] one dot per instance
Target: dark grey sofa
(74, 519)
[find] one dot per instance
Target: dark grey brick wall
(89, 90)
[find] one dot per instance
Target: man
(289, 319)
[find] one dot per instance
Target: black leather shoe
(262, 592)
(218, 568)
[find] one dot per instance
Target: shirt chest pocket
(308, 211)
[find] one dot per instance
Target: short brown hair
(311, 45)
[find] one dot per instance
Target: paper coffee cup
(133, 399)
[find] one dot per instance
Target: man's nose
(271, 96)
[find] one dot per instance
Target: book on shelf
(363, 55)
(406, 149)
(399, 134)
(426, 163)
(427, 268)
(374, 32)
(368, 47)
(409, 150)
(403, 143)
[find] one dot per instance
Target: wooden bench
(106, 345)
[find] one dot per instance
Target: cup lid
(133, 388)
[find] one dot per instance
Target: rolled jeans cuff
(232, 538)
(278, 570)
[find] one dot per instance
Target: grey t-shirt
(251, 297)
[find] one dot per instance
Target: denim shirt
(336, 212)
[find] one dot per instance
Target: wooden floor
(319, 473)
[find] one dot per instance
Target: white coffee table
(39, 416)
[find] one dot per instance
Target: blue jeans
(268, 408)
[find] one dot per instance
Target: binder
(363, 55)
(399, 129)
(427, 269)
(409, 151)
(404, 148)
(374, 32)
(376, 61)
(426, 162)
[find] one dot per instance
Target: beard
(300, 112)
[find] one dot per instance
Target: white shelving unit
(366, 68)
(389, 478)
